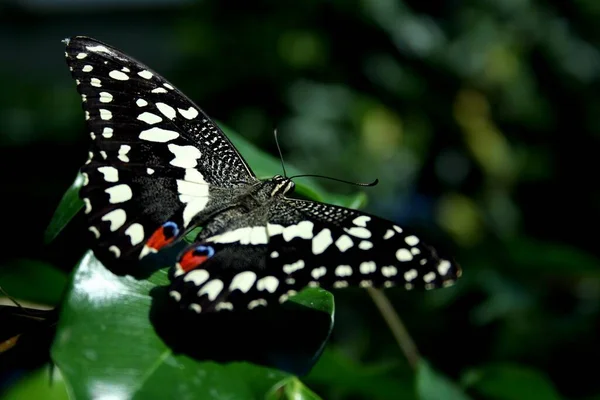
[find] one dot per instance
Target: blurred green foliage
(479, 118)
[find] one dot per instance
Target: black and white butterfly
(159, 167)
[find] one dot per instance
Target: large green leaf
(43, 383)
(112, 339)
(263, 164)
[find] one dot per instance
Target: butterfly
(158, 167)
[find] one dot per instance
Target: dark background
(480, 119)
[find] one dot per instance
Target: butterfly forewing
(154, 154)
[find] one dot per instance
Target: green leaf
(69, 206)
(431, 385)
(291, 389)
(43, 383)
(108, 341)
(32, 280)
(511, 382)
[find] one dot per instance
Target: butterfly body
(158, 167)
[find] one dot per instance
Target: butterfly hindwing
(154, 157)
(304, 243)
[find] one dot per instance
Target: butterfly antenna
(280, 155)
(375, 182)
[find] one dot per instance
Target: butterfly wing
(155, 156)
(305, 243)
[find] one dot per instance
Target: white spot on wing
(166, 110)
(116, 218)
(198, 276)
(95, 231)
(344, 243)
(141, 103)
(135, 233)
(149, 171)
(361, 221)
(118, 75)
(105, 114)
(243, 281)
(123, 150)
(388, 234)
(115, 250)
(88, 205)
(81, 56)
(87, 68)
(367, 267)
(343, 270)
(107, 132)
(429, 277)
(224, 305)
(268, 283)
(158, 135)
(302, 230)
(159, 90)
(185, 156)
(321, 241)
(111, 174)
(365, 245)
(318, 272)
(410, 275)
(95, 82)
(362, 233)
(190, 113)
(403, 255)
(257, 302)
(149, 118)
(443, 267)
(411, 240)
(195, 307)
(212, 289)
(145, 74)
(99, 49)
(105, 97)
(293, 267)
(175, 294)
(389, 271)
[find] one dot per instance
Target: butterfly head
(281, 185)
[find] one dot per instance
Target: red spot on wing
(189, 260)
(158, 239)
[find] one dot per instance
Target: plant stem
(396, 325)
